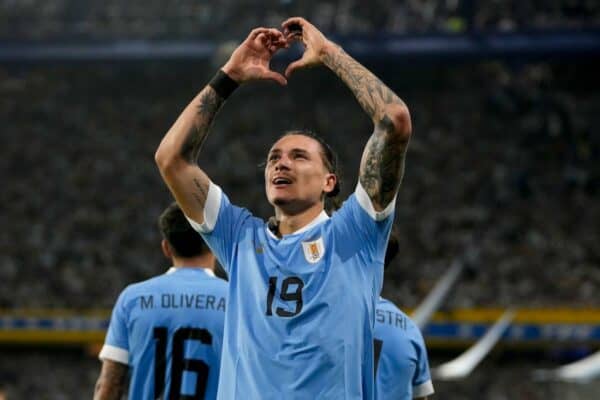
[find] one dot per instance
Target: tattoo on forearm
(382, 165)
(208, 107)
(372, 94)
(111, 383)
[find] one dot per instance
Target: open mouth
(278, 181)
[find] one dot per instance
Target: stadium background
(502, 173)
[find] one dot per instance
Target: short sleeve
(422, 385)
(223, 224)
(359, 226)
(365, 202)
(116, 344)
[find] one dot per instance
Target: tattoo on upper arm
(200, 193)
(382, 167)
(208, 106)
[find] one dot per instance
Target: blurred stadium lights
(451, 329)
(580, 371)
(464, 364)
(527, 45)
(438, 294)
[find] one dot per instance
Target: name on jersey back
(391, 318)
(182, 300)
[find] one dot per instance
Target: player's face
(295, 175)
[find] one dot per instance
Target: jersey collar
(318, 219)
(205, 270)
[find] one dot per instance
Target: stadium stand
(80, 184)
(231, 19)
(98, 30)
(503, 169)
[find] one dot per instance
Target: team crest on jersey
(314, 250)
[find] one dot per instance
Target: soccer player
(168, 330)
(302, 291)
(401, 365)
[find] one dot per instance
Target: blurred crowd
(226, 19)
(502, 173)
(59, 374)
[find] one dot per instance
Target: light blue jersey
(169, 330)
(402, 368)
(301, 308)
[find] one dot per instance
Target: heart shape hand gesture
(250, 61)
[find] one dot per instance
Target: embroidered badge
(314, 250)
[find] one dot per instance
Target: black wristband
(223, 84)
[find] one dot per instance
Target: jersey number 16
(179, 363)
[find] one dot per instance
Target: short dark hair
(330, 160)
(393, 247)
(175, 228)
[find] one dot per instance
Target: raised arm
(178, 154)
(382, 164)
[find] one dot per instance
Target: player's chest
(287, 275)
(291, 255)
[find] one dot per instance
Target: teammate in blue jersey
(302, 290)
(401, 364)
(402, 368)
(168, 331)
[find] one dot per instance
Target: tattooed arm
(178, 154)
(382, 164)
(111, 382)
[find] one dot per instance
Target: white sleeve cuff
(424, 389)
(365, 203)
(114, 353)
(211, 210)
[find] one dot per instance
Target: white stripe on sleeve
(211, 210)
(365, 203)
(114, 353)
(424, 389)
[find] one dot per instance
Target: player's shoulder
(167, 281)
(186, 277)
(348, 204)
(133, 288)
(385, 304)
(242, 212)
(348, 218)
(388, 305)
(410, 325)
(359, 208)
(219, 284)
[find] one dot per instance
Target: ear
(166, 249)
(330, 181)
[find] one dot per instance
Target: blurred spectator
(192, 19)
(503, 160)
(504, 164)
